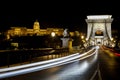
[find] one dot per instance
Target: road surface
(109, 65)
(78, 70)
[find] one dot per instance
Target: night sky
(57, 14)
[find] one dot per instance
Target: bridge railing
(9, 57)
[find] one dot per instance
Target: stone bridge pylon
(99, 29)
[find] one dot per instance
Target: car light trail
(51, 63)
(37, 63)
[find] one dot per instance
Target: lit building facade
(23, 31)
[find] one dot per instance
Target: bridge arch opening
(99, 33)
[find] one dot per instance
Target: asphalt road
(79, 70)
(109, 65)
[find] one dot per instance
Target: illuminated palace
(23, 31)
(37, 31)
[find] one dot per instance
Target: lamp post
(83, 40)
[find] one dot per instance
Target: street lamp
(111, 39)
(82, 37)
(86, 39)
(53, 34)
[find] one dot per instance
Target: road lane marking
(99, 73)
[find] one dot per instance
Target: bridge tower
(99, 29)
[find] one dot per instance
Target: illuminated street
(101, 66)
(77, 69)
(109, 65)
